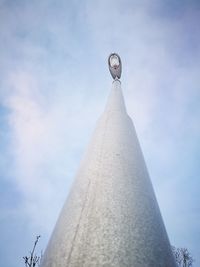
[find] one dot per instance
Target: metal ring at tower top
(115, 65)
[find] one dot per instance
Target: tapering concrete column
(111, 217)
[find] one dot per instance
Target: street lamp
(115, 66)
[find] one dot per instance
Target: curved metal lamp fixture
(115, 66)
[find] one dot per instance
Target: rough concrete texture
(111, 217)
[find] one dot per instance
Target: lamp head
(115, 65)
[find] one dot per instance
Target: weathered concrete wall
(111, 217)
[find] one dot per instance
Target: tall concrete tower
(111, 217)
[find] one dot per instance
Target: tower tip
(115, 65)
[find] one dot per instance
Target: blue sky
(54, 82)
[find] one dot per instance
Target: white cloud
(46, 139)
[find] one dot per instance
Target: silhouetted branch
(33, 259)
(183, 257)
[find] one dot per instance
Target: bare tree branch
(33, 259)
(183, 257)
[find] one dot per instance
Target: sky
(54, 82)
